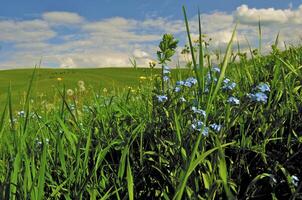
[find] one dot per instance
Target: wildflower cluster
(260, 93)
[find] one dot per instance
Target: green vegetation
(46, 80)
(231, 131)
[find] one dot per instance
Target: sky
(106, 33)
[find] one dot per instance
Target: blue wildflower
(295, 180)
(180, 83)
(162, 98)
(216, 69)
(263, 87)
(177, 89)
(166, 71)
(229, 86)
(188, 84)
(198, 111)
(258, 97)
(198, 125)
(233, 100)
(215, 127)
(21, 113)
(192, 80)
(166, 78)
(167, 68)
(211, 78)
(226, 81)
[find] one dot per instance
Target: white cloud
(25, 31)
(137, 53)
(251, 16)
(62, 18)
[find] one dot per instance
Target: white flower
(82, 88)
(81, 84)
(70, 92)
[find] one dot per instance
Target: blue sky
(98, 33)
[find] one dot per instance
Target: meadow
(227, 131)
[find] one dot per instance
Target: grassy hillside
(46, 80)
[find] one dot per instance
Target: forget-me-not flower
(191, 80)
(177, 89)
(258, 97)
(229, 86)
(198, 125)
(216, 69)
(233, 100)
(263, 87)
(180, 83)
(215, 127)
(295, 180)
(166, 78)
(162, 98)
(21, 113)
(198, 111)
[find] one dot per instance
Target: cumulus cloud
(25, 31)
(62, 18)
(137, 53)
(251, 16)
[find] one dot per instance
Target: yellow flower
(105, 90)
(59, 79)
(142, 77)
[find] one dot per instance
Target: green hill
(46, 80)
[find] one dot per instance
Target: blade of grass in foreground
(130, 180)
(41, 181)
(27, 99)
(192, 50)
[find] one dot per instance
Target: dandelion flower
(82, 88)
(142, 78)
(81, 84)
(59, 79)
(70, 92)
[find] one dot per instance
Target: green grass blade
(42, 171)
(130, 180)
(224, 66)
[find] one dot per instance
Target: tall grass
(166, 140)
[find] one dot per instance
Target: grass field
(232, 131)
(46, 80)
